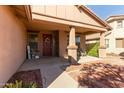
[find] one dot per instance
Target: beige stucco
(62, 44)
(93, 36)
(115, 34)
(72, 48)
(102, 47)
(12, 44)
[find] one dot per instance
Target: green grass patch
(92, 49)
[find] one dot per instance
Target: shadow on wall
(100, 75)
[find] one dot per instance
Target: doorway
(47, 44)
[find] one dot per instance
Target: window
(33, 41)
(120, 43)
(119, 24)
(78, 41)
(107, 43)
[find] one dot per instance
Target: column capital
(71, 27)
(102, 33)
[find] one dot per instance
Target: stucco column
(72, 48)
(102, 48)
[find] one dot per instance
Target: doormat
(27, 77)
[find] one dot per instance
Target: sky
(104, 11)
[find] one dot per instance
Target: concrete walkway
(64, 81)
(115, 60)
(51, 72)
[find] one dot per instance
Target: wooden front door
(47, 45)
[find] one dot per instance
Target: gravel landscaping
(98, 75)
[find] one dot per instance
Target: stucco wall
(62, 44)
(12, 44)
(115, 33)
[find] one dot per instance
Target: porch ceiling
(38, 25)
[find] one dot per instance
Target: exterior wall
(62, 44)
(115, 33)
(92, 38)
(92, 41)
(12, 44)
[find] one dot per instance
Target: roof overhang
(28, 12)
(114, 17)
(104, 23)
(66, 22)
(105, 27)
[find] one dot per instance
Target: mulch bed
(100, 75)
(27, 77)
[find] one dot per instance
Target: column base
(72, 54)
(102, 52)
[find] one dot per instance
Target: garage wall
(12, 44)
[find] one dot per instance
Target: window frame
(122, 42)
(119, 24)
(107, 43)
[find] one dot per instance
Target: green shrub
(20, 84)
(92, 49)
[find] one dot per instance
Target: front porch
(52, 43)
(63, 36)
(52, 72)
(51, 39)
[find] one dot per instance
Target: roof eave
(96, 17)
(28, 12)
